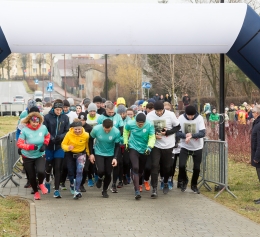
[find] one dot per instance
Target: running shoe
(154, 193)
(99, 183)
(82, 188)
(137, 195)
(179, 184)
(43, 188)
(147, 186)
(77, 195)
(57, 194)
(165, 188)
(162, 185)
(37, 196)
(90, 183)
(72, 189)
(128, 180)
(140, 188)
(120, 184)
(113, 188)
(125, 182)
(170, 184)
(48, 186)
(183, 186)
(62, 186)
(27, 185)
(104, 194)
(96, 178)
(195, 189)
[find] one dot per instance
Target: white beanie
(92, 107)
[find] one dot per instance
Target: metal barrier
(9, 159)
(215, 165)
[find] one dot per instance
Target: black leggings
(138, 163)
(31, 165)
(56, 163)
(197, 157)
(118, 170)
(147, 170)
(64, 172)
(126, 164)
(162, 157)
(104, 168)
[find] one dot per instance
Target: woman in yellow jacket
(76, 144)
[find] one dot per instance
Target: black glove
(43, 147)
(52, 139)
(57, 140)
(19, 151)
(33, 147)
(148, 151)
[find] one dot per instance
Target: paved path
(176, 214)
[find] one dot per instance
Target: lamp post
(106, 79)
(65, 78)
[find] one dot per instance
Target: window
(34, 70)
(43, 70)
(34, 61)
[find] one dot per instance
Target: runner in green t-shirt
(140, 143)
(106, 150)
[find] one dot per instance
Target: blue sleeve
(180, 134)
(200, 134)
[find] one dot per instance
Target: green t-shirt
(117, 120)
(105, 142)
(139, 137)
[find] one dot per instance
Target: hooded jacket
(80, 142)
(57, 126)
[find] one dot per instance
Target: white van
(38, 94)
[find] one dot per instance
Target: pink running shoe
(43, 188)
(37, 196)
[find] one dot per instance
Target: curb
(33, 230)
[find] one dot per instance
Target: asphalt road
(10, 89)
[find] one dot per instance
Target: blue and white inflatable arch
(114, 28)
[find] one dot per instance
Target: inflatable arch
(145, 28)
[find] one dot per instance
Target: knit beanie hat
(140, 118)
(190, 110)
(121, 109)
(66, 103)
(158, 105)
(82, 115)
(151, 100)
(86, 101)
(104, 100)
(97, 99)
(76, 124)
(120, 100)
(34, 109)
(30, 104)
(58, 104)
(92, 107)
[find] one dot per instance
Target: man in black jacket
(98, 101)
(58, 125)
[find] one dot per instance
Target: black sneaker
(125, 182)
(27, 185)
(32, 192)
(179, 184)
(165, 188)
(99, 183)
(194, 188)
(113, 188)
(154, 193)
(183, 186)
(104, 194)
(82, 188)
(120, 184)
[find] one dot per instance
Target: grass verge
(243, 182)
(27, 88)
(14, 217)
(14, 212)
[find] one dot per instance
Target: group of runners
(109, 145)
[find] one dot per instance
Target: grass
(14, 212)
(27, 88)
(243, 182)
(14, 217)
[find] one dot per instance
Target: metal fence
(9, 159)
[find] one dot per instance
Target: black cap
(141, 118)
(190, 110)
(158, 105)
(34, 109)
(66, 103)
(97, 99)
(82, 115)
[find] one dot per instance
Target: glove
(148, 151)
(19, 151)
(126, 148)
(33, 147)
(43, 147)
(57, 140)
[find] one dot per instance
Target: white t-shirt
(167, 120)
(192, 126)
(72, 115)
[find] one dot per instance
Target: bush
(31, 84)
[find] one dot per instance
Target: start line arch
(126, 28)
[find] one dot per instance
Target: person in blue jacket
(58, 125)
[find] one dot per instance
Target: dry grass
(7, 124)
(14, 217)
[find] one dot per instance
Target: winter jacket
(255, 143)
(80, 142)
(57, 126)
(214, 117)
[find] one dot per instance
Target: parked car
(48, 99)
(19, 98)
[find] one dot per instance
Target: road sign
(36, 81)
(50, 87)
(146, 85)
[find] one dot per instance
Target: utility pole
(65, 78)
(106, 79)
